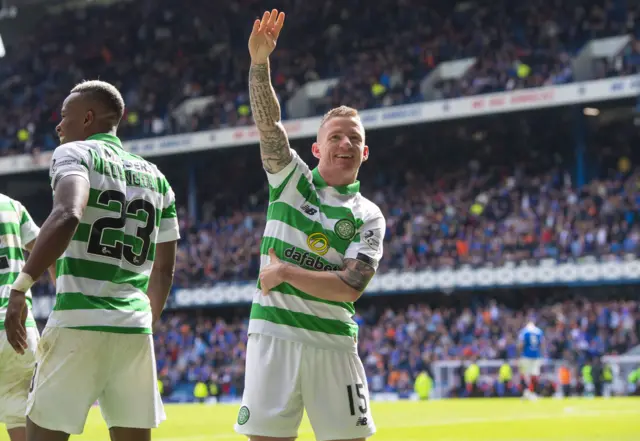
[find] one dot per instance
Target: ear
(89, 117)
(315, 149)
(365, 153)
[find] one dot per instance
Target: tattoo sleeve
(274, 144)
(357, 274)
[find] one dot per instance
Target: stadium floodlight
(590, 111)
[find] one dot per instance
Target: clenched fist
(264, 36)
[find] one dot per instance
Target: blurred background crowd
(508, 197)
(483, 192)
(379, 54)
(397, 344)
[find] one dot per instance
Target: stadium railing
(582, 93)
(546, 273)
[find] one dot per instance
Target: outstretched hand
(264, 36)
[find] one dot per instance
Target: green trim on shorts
(111, 329)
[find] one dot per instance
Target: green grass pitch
(574, 419)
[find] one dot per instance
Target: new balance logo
(309, 209)
(362, 421)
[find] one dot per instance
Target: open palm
(264, 36)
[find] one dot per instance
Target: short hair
(342, 111)
(105, 93)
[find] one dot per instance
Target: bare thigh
(37, 433)
(128, 434)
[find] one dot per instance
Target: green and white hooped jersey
(17, 229)
(314, 226)
(102, 277)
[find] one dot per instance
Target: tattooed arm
(274, 144)
(346, 285)
(357, 274)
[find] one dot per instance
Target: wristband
(23, 282)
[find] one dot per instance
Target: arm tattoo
(274, 149)
(274, 144)
(356, 274)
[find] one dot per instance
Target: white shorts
(530, 366)
(284, 377)
(16, 372)
(76, 367)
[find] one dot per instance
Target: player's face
(340, 146)
(75, 119)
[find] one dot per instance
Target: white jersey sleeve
(369, 248)
(69, 159)
(287, 177)
(169, 229)
(28, 228)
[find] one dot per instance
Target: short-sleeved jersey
(314, 226)
(103, 275)
(17, 230)
(531, 338)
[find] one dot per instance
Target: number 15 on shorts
(362, 400)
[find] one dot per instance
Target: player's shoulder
(11, 205)
(9, 202)
(6, 199)
(76, 146)
(70, 154)
(298, 165)
(151, 168)
(155, 171)
(368, 209)
(154, 168)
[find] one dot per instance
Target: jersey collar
(105, 137)
(319, 182)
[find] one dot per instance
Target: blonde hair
(342, 111)
(107, 95)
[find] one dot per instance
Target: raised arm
(274, 144)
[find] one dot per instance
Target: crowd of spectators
(396, 344)
(161, 52)
(512, 198)
(532, 44)
(451, 223)
(509, 200)
(502, 203)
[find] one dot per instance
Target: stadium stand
(513, 46)
(475, 213)
(443, 212)
(507, 196)
(528, 188)
(397, 344)
(482, 210)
